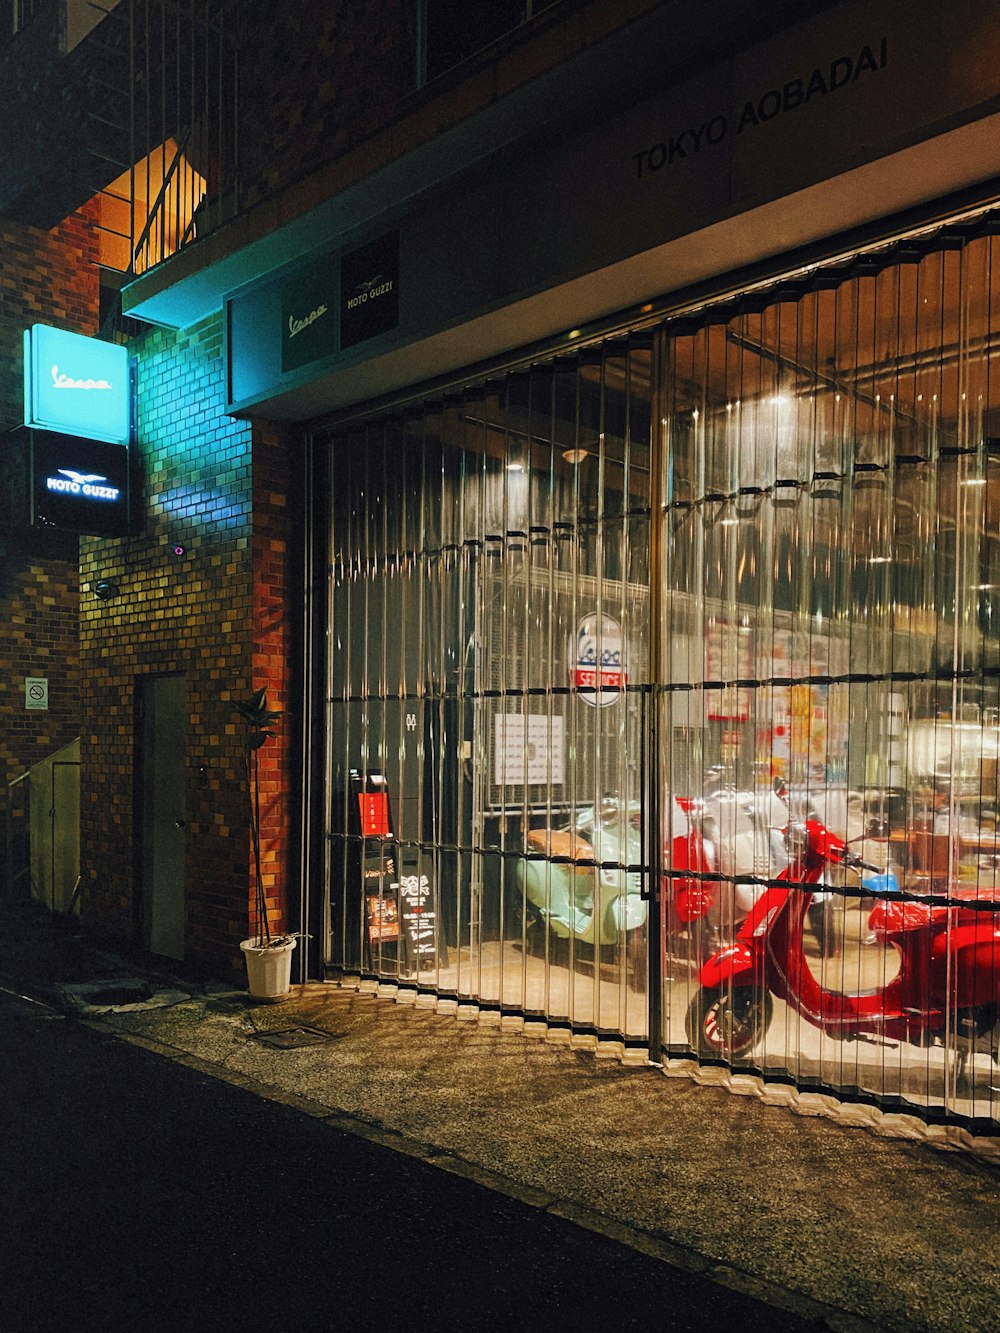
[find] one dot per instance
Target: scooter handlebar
(875, 878)
(854, 862)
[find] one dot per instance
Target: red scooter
(947, 989)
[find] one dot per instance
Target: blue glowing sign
(76, 385)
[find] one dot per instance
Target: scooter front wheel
(728, 1022)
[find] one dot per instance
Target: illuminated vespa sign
(76, 385)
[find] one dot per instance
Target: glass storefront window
(601, 792)
(489, 618)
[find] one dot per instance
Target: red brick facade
(187, 613)
(45, 277)
(197, 613)
(277, 592)
(219, 613)
(346, 101)
(225, 611)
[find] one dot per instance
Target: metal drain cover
(289, 1039)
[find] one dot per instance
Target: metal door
(162, 702)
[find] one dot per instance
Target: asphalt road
(140, 1195)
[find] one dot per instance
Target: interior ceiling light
(574, 455)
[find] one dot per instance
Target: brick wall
(45, 278)
(340, 84)
(58, 144)
(193, 613)
(48, 278)
(38, 611)
(277, 556)
(316, 79)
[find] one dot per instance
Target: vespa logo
(70, 482)
(60, 380)
(370, 290)
(597, 666)
(295, 326)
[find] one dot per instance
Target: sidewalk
(840, 1225)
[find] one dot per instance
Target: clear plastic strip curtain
(830, 598)
(566, 790)
(488, 620)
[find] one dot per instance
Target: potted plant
(268, 955)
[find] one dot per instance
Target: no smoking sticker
(36, 692)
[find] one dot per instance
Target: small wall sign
(369, 290)
(76, 385)
(36, 692)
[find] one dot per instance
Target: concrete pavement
(841, 1226)
(144, 1196)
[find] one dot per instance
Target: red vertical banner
(374, 810)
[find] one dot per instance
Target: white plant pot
(269, 970)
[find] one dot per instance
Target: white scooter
(743, 833)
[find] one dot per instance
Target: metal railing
(184, 121)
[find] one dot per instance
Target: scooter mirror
(797, 839)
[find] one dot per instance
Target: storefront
(609, 631)
(655, 501)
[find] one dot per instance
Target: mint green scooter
(575, 887)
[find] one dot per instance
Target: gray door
(163, 731)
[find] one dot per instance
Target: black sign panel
(417, 909)
(308, 315)
(79, 485)
(369, 290)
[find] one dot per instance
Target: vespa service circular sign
(597, 661)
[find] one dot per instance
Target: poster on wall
(809, 722)
(373, 808)
(728, 659)
(597, 661)
(528, 749)
(383, 917)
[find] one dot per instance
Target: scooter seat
(892, 917)
(563, 843)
